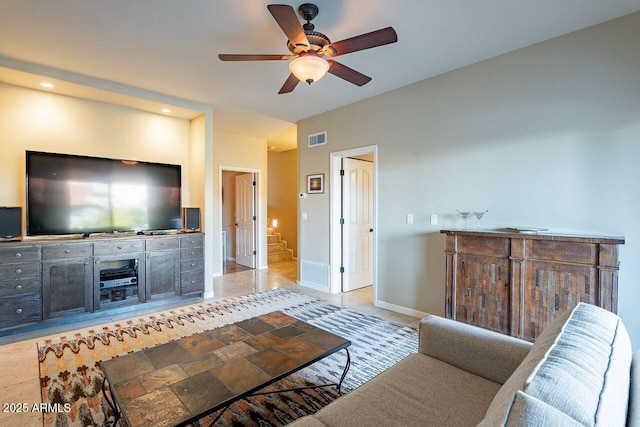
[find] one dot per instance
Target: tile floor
(19, 375)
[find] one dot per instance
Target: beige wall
(241, 154)
(41, 121)
(283, 195)
(545, 136)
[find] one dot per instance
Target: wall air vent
(318, 139)
(314, 275)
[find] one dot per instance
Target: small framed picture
(315, 183)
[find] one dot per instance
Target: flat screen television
(69, 194)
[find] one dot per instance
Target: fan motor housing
(316, 39)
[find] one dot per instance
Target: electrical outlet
(409, 218)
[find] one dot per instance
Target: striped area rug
(71, 378)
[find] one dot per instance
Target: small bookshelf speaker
(191, 219)
(10, 223)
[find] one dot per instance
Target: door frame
(335, 203)
(260, 231)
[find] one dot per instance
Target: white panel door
(245, 221)
(357, 232)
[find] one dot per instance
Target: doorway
(239, 226)
(357, 224)
(353, 206)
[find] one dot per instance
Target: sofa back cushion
(580, 365)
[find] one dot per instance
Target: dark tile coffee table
(184, 380)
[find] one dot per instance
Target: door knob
(371, 230)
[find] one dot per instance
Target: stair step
(276, 247)
(273, 238)
(286, 255)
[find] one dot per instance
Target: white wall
(41, 121)
(545, 136)
(244, 154)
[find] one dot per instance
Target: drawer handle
(119, 247)
(193, 265)
(19, 271)
(19, 311)
(18, 287)
(18, 255)
(193, 281)
(67, 251)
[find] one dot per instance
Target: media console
(43, 279)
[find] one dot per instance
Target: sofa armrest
(482, 352)
(633, 416)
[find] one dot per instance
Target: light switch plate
(434, 219)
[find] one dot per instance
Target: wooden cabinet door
(162, 274)
(552, 288)
(482, 292)
(67, 287)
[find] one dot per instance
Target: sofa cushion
(583, 370)
(417, 391)
(526, 410)
(482, 352)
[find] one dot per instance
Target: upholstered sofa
(579, 372)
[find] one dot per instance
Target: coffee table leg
(111, 404)
(346, 369)
(219, 415)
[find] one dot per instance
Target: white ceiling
(171, 46)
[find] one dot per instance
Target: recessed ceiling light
(166, 110)
(47, 85)
(272, 148)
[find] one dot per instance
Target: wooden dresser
(517, 283)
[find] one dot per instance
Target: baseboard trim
(400, 309)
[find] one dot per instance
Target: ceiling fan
(308, 48)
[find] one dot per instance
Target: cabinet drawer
(191, 253)
(22, 269)
(19, 254)
(118, 247)
(20, 287)
(195, 264)
(70, 250)
(192, 281)
(163, 243)
(193, 241)
(15, 311)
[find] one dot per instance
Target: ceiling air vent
(318, 139)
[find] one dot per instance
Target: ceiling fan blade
(348, 74)
(364, 41)
(286, 17)
(250, 57)
(289, 85)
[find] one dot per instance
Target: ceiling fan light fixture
(309, 68)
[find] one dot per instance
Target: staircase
(277, 249)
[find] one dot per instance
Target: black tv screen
(68, 194)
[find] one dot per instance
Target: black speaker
(10, 223)
(191, 219)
